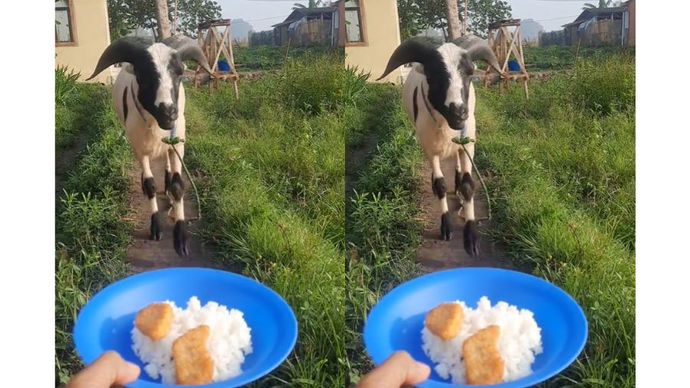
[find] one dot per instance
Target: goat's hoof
(471, 241)
(445, 227)
(156, 231)
(180, 240)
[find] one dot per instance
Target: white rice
(229, 341)
(518, 344)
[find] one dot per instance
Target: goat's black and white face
(158, 76)
(158, 69)
(448, 72)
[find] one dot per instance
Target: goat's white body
(436, 137)
(143, 133)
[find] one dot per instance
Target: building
(307, 27)
(370, 36)
(614, 26)
(81, 34)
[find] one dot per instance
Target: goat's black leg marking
(176, 186)
(471, 241)
(446, 226)
(464, 185)
(438, 185)
(180, 240)
(168, 180)
(156, 231)
(149, 187)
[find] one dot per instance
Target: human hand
(108, 370)
(398, 370)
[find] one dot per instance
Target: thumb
(107, 370)
(399, 369)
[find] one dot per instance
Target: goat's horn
(478, 48)
(126, 49)
(412, 50)
(188, 49)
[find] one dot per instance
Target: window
(63, 22)
(353, 21)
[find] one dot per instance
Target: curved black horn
(412, 50)
(188, 49)
(126, 49)
(478, 48)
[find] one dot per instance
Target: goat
(439, 99)
(149, 100)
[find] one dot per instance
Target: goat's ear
(412, 50)
(188, 49)
(478, 48)
(126, 49)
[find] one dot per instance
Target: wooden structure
(505, 38)
(214, 43)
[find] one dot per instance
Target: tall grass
(382, 224)
(565, 199)
(91, 237)
(272, 166)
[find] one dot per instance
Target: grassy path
(271, 184)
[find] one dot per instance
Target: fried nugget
(445, 320)
(483, 362)
(193, 363)
(155, 320)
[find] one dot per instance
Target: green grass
(274, 57)
(563, 57)
(564, 189)
(91, 237)
(382, 224)
(272, 186)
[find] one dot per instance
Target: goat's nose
(170, 111)
(463, 112)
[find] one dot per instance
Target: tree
(162, 18)
(127, 15)
(312, 4)
(421, 14)
(453, 17)
(602, 4)
(484, 12)
(409, 16)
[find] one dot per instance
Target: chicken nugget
(483, 362)
(155, 320)
(193, 363)
(445, 320)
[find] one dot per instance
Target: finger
(399, 369)
(107, 370)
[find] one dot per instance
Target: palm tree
(602, 4)
(312, 4)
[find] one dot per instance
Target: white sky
(263, 13)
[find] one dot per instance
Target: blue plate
(396, 322)
(106, 321)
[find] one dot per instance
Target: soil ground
(435, 254)
(145, 254)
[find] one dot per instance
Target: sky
(261, 14)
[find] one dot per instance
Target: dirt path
(144, 254)
(435, 254)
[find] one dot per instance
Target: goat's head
(448, 69)
(158, 69)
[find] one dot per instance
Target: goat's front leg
(464, 187)
(176, 190)
(148, 186)
(438, 185)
